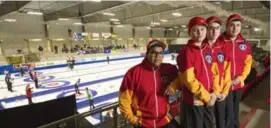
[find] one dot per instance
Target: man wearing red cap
(241, 63)
(220, 58)
(141, 98)
(199, 76)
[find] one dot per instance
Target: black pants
(220, 114)
(77, 90)
(22, 72)
(232, 109)
(91, 104)
(29, 100)
(36, 83)
(198, 116)
(172, 124)
(9, 86)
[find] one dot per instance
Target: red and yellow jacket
(142, 99)
(197, 73)
(222, 60)
(241, 63)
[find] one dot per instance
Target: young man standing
(199, 76)
(90, 100)
(241, 63)
(220, 58)
(141, 98)
(76, 86)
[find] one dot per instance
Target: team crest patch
(220, 57)
(208, 58)
(242, 46)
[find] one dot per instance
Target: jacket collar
(147, 65)
(226, 37)
(192, 44)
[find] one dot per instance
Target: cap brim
(158, 44)
(237, 18)
(216, 20)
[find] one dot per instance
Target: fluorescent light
(257, 29)
(77, 23)
(109, 14)
(95, 39)
(95, 0)
(176, 27)
(183, 26)
(148, 27)
(63, 19)
(176, 14)
(155, 23)
(170, 29)
(114, 19)
(59, 39)
(163, 20)
(141, 38)
(116, 22)
(10, 20)
(34, 13)
(119, 38)
(35, 39)
(120, 26)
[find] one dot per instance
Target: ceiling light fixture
(109, 14)
(114, 20)
(35, 13)
(10, 20)
(176, 14)
(95, 0)
(63, 19)
(164, 20)
(77, 23)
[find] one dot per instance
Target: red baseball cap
(156, 42)
(214, 19)
(196, 21)
(234, 17)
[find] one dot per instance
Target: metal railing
(115, 122)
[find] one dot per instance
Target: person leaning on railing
(142, 100)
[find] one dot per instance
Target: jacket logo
(242, 46)
(208, 58)
(220, 57)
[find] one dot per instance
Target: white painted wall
(142, 32)
(123, 32)
(158, 33)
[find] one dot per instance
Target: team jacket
(222, 60)
(241, 63)
(142, 95)
(197, 73)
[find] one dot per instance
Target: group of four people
(211, 71)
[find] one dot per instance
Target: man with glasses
(141, 99)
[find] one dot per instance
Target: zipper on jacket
(155, 95)
(234, 66)
(203, 60)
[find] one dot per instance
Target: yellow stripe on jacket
(246, 69)
(226, 79)
(194, 86)
(176, 83)
(216, 86)
(125, 102)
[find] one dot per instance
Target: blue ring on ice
(64, 83)
(46, 79)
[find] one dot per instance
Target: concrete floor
(254, 110)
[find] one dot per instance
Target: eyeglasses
(154, 53)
